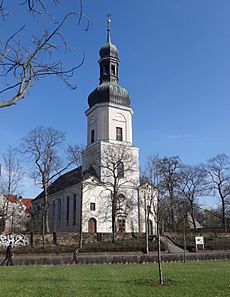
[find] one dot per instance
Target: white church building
(104, 193)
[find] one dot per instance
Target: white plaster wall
(104, 118)
(147, 197)
(95, 155)
(98, 195)
(101, 197)
(98, 119)
(120, 116)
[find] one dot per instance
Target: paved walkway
(99, 258)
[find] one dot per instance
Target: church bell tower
(109, 117)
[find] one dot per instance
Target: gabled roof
(68, 179)
(27, 202)
(12, 198)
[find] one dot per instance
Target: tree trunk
(224, 221)
(43, 229)
(161, 280)
(46, 208)
(146, 229)
(114, 206)
(114, 225)
(173, 225)
(184, 235)
(45, 218)
(193, 216)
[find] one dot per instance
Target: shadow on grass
(152, 282)
(144, 282)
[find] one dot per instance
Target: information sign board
(199, 240)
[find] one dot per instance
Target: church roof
(109, 92)
(109, 49)
(68, 179)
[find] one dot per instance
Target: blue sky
(174, 61)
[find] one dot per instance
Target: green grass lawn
(200, 279)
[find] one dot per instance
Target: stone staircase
(170, 246)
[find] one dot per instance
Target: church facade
(104, 194)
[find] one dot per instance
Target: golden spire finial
(108, 27)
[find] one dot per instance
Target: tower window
(119, 135)
(92, 206)
(120, 169)
(113, 69)
(92, 137)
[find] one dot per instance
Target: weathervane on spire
(108, 27)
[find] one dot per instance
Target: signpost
(199, 240)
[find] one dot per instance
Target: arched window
(53, 210)
(59, 210)
(120, 169)
(74, 209)
(120, 204)
(113, 69)
(92, 136)
(67, 210)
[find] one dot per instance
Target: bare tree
(11, 172)
(117, 165)
(169, 170)
(11, 177)
(43, 147)
(23, 63)
(147, 201)
(219, 172)
(193, 184)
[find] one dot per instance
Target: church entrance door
(92, 226)
(121, 225)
